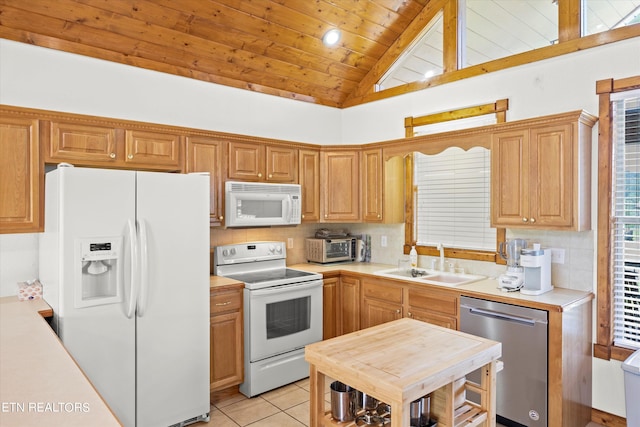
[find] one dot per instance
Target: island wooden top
(401, 360)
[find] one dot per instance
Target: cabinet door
(349, 297)
(282, 164)
(21, 176)
(433, 318)
(152, 150)
(341, 186)
(551, 176)
(246, 161)
(83, 143)
(381, 302)
(309, 178)
(205, 155)
(509, 178)
(226, 364)
(226, 339)
(330, 308)
(375, 312)
(436, 307)
(372, 185)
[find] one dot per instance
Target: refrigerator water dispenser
(99, 281)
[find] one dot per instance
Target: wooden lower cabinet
(384, 301)
(226, 338)
(348, 305)
(330, 307)
(381, 302)
(432, 306)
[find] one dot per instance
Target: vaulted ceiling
(269, 46)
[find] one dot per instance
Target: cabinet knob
(303, 216)
(409, 314)
(112, 155)
(259, 175)
(398, 311)
(379, 216)
(270, 176)
(326, 216)
(219, 304)
(220, 217)
(130, 156)
(524, 220)
(533, 220)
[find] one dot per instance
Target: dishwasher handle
(502, 316)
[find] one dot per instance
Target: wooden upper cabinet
(88, 144)
(206, 155)
(154, 150)
(372, 185)
(309, 179)
(246, 161)
(250, 161)
(71, 142)
(21, 176)
(282, 164)
(340, 195)
(541, 176)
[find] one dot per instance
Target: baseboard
(606, 419)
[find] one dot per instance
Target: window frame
(499, 108)
(604, 348)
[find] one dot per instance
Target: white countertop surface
(40, 383)
(555, 300)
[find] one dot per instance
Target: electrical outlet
(290, 243)
(383, 241)
(557, 256)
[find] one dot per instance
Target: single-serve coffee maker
(537, 270)
(510, 251)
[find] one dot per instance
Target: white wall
(40, 78)
(36, 77)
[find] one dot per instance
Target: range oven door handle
(275, 290)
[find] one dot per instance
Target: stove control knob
(225, 252)
(279, 249)
(272, 248)
(233, 251)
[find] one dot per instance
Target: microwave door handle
(289, 213)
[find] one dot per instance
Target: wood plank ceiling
(269, 46)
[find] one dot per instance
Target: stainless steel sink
(431, 276)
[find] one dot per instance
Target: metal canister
(343, 402)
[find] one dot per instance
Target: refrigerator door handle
(133, 295)
(144, 269)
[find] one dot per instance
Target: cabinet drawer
(383, 292)
(434, 301)
(225, 301)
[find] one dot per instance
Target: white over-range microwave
(255, 204)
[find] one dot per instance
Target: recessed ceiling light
(331, 37)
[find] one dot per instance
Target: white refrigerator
(124, 262)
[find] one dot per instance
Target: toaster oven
(324, 251)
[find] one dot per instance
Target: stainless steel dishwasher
(521, 388)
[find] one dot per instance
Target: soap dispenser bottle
(413, 257)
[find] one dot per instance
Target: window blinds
(626, 221)
(453, 199)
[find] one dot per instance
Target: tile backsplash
(19, 252)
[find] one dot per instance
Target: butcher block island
(403, 360)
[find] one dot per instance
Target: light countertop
(40, 383)
(556, 300)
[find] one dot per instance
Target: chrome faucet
(440, 247)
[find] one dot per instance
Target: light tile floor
(286, 406)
